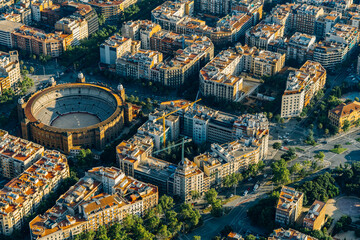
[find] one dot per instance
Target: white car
(246, 192)
(256, 187)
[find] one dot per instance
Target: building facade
(289, 206)
(22, 196)
(345, 114)
(104, 196)
(302, 85)
(315, 217)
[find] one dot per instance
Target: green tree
(163, 232)
(166, 202)
(196, 238)
(131, 221)
(189, 216)
(217, 208)
(270, 115)
(277, 145)
(101, 233)
(140, 233)
(250, 237)
(101, 19)
(295, 168)
(277, 118)
(31, 70)
(211, 195)
(195, 195)
(151, 220)
(280, 171)
(117, 232)
(320, 126)
(346, 125)
(320, 155)
(326, 131)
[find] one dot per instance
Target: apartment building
(290, 234)
(111, 10)
(135, 159)
(260, 35)
(141, 30)
(16, 154)
(105, 195)
(113, 48)
(175, 17)
(139, 64)
(305, 18)
(215, 7)
(324, 23)
(299, 45)
(38, 42)
(22, 195)
(171, 121)
(315, 217)
(186, 62)
(345, 113)
(10, 67)
(17, 13)
(219, 78)
(289, 206)
(149, 64)
(6, 30)
(74, 26)
(301, 86)
(37, 6)
(283, 14)
(170, 14)
(226, 159)
(266, 63)
(344, 34)
(204, 124)
(188, 178)
(329, 54)
(4, 84)
(72, 10)
(156, 131)
(252, 7)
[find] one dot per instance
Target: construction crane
(184, 140)
(168, 114)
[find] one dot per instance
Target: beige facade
(10, 67)
(260, 35)
(220, 78)
(289, 206)
(149, 64)
(315, 217)
(302, 85)
(343, 113)
(188, 178)
(17, 154)
(226, 159)
(104, 196)
(113, 48)
(22, 196)
(74, 26)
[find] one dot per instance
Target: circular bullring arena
(75, 114)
